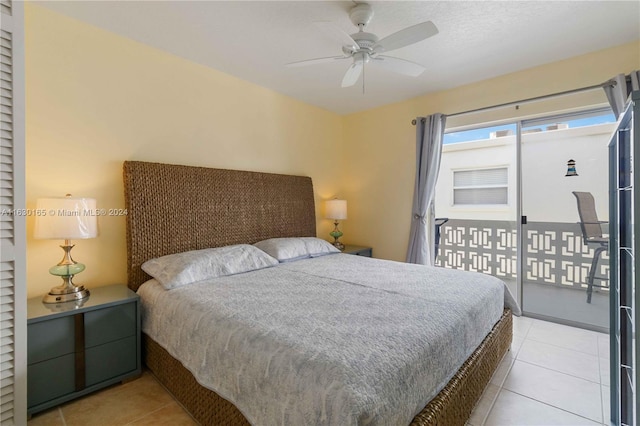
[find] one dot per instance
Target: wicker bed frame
(174, 208)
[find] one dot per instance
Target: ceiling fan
(366, 48)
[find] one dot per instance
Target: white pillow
(290, 249)
(176, 270)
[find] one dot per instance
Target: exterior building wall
(546, 191)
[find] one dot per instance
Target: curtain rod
(537, 98)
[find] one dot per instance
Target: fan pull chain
(363, 68)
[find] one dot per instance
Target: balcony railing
(554, 253)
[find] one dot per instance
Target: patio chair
(591, 235)
(439, 221)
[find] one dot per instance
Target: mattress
(337, 339)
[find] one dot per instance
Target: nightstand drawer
(363, 252)
(50, 339)
(358, 250)
(50, 379)
(109, 324)
(110, 360)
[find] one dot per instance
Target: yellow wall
(95, 99)
(380, 143)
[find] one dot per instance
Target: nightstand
(357, 250)
(75, 348)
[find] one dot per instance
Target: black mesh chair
(591, 235)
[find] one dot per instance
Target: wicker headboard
(174, 208)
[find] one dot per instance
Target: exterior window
(480, 187)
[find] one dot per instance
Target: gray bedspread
(336, 340)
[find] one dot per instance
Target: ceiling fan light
(362, 57)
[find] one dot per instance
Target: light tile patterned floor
(139, 402)
(553, 375)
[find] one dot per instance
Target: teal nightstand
(357, 250)
(73, 350)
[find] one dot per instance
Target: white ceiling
(253, 40)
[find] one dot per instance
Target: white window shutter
(481, 177)
(13, 323)
(481, 187)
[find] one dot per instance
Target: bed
(174, 209)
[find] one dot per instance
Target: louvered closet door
(13, 328)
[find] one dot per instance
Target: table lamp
(66, 218)
(336, 210)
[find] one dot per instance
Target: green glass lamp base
(336, 234)
(66, 269)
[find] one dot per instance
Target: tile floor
(553, 375)
(139, 402)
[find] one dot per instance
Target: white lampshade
(66, 218)
(336, 209)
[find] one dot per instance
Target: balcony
(556, 264)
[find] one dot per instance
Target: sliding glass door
(476, 202)
(527, 203)
(564, 195)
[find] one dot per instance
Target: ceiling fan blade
(333, 31)
(353, 74)
(406, 37)
(316, 61)
(401, 66)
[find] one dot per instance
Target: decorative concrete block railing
(554, 253)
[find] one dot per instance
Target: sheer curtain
(618, 94)
(429, 134)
